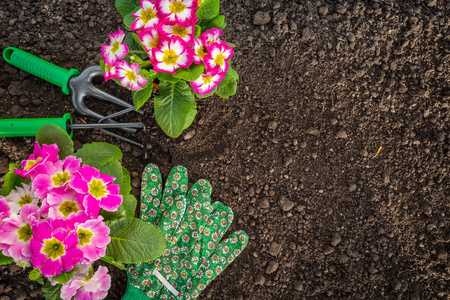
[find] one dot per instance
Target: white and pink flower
(207, 82)
(171, 54)
(115, 50)
(110, 72)
(218, 55)
(98, 189)
(176, 11)
(93, 288)
(199, 50)
(93, 236)
(20, 197)
(150, 40)
(186, 33)
(211, 36)
(129, 75)
(146, 16)
(39, 156)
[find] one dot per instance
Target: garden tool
(71, 81)
(193, 257)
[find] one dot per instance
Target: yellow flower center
(179, 31)
(130, 75)
(31, 163)
(25, 233)
(219, 59)
(200, 2)
(60, 178)
(154, 43)
(115, 47)
(25, 199)
(97, 189)
(108, 68)
(177, 7)
(84, 236)
(147, 15)
(200, 52)
(170, 57)
(53, 248)
(68, 207)
(207, 80)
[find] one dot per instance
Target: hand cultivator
(72, 82)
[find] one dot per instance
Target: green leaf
(134, 241)
(126, 6)
(217, 22)
(5, 260)
(191, 73)
(142, 96)
(207, 12)
(111, 261)
(138, 41)
(204, 96)
(129, 205)
(34, 275)
(12, 180)
(228, 86)
(162, 76)
(64, 276)
(125, 187)
(129, 19)
(52, 134)
(99, 153)
(51, 292)
(190, 117)
(111, 215)
(113, 168)
(197, 31)
(173, 107)
(134, 47)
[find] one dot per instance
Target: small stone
(265, 204)
(286, 204)
(432, 3)
(323, 10)
(273, 125)
(287, 161)
(235, 189)
(335, 239)
(135, 182)
(275, 249)
(313, 131)
(24, 102)
(396, 284)
(298, 286)
(69, 35)
(341, 9)
(440, 136)
(328, 250)
(272, 267)
(189, 134)
(352, 187)
(255, 118)
(36, 102)
(259, 279)
(351, 37)
(341, 134)
(261, 18)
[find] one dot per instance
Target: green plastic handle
(40, 68)
(29, 127)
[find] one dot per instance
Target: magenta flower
(62, 202)
(54, 248)
(39, 156)
(53, 175)
(207, 82)
(129, 76)
(218, 54)
(93, 288)
(186, 33)
(98, 189)
(146, 16)
(15, 233)
(4, 209)
(115, 50)
(21, 196)
(110, 72)
(93, 236)
(176, 11)
(211, 36)
(171, 54)
(199, 50)
(150, 40)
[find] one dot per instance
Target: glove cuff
(132, 293)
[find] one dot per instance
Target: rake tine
(126, 140)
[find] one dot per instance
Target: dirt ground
(324, 85)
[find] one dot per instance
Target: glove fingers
(151, 189)
(171, 220)
(202, 186)
(176, 184)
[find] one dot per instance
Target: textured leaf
(125, 187)
(228, 86)
(111, 261)
(142, 96)
(52, 134)
(173, 107)
(134, 47)
(113, 168)
(167, 77)
(197, 31)
(35, 275)
(126, 209)
(190, 117)
(129, 205)
(134, 241)
(99, 153)
(64, 276)
(191, 73)
(129, 19)
(126, 6)
(217, 22)
(12, 180)
(51, 292)
(5, 260)
(207, 12)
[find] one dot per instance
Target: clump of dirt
(333, 154)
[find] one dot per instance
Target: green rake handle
(29, 127)
(40, 68)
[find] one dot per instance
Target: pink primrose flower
(62, 202)
(207, 82)
(171, 54)
(54, 248)
(176, 11)
(5, 211)
(150, 39)
(115, 50)
(146, 16)
(98, 189)
(21, 196)
(211, 36)
(129, 76)
(54, 175)
(110, 72)
(16, 233)
(39, 156)
(186, 33)
(218, 54)
(199, 50)
(85, 288)
(94, 237)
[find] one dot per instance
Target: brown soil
(323, 86)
